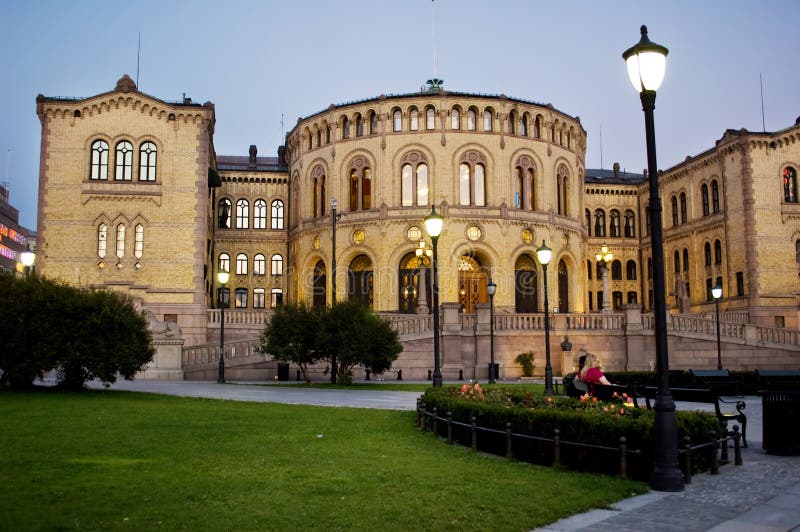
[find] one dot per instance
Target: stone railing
(198, 355)
(778, 336)
(732, 316)
(591, 322)
(693, 324)
(409, 324)
(239, 317)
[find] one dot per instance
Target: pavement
(762, 495)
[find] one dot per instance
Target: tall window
(259, 264)
(430, 118)
(589, 269)
(345, 127)
(487, 120)
(102, 240)
(789, 185)
(674, 203)
(599, 222)
(259, 298)
(685, 259)
(525, 196)
(704, 195)
(630, 224)
(123, 158)
(414, 180)
(242, 214)
(562, 182)
(397, 120)
(147, 161)
(318, 192)
(224, 262)
(683, 208)
(224, 213)
(455, 118)
(241, 298)
(276, 299)
(472, 119)
(714, 196)
(537, 128)
(739, 283)
(615, 225)
(120, 241)
(373, 122)
(277, 265)
(512, 123)
(413, 119)
(717, 252)
(99, 161)
(241, 264)
(630, 270)
(138, 243)
(259, 214)
(677, 261)
(359, 125)
(616, 270)
(360, 185)
(472, 179)
(588, 215)
(523, 126)
(707, 253)
(276, 220)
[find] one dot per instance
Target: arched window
(683, 208)
(259, 264)
(707, 253)
(120, 241)
(413, 119)
(138, 242)
(523, 126)
(525, 195)
(512, 123)
(677, 261)
(360, 185)
(241, 298)
(327, 134)
(685, 259)
(259, 214)
(537, 128)
(562, 182)
(241, 264)
(599, 222)
(413, 180)
(789, 185)
(717, 252)
(472, 119)
(319, 137)
(102, 240)
(345, 127)
(430, 118)
(704, 195)
(615, 225)
(147, 161)
(630, 224)
(318, 192)
(616, 270)
(242, 214)
(259, 298)
(472, 179)
(373, 122)
(487, 120)
(277, 214)
(310, 139)
(397, 120)
(588, 215)
(224, 262)
(123, 159)
(224, 208)
(630, 270)
(99, 162)
(674, 202)
(714, 196)
(455, 118)
(359, 125)
(589, 269)
(277, 265)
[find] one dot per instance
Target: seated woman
(591, 372)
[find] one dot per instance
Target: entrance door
(563, 287)
(320, 290)
(471, 290)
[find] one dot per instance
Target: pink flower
(549, 399)
(464, 388)
(594, 399)
(584, 397)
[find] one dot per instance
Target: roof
(608, 177)
(241, 163)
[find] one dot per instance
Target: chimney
(616, 169)
(253, 152)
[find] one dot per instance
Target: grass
(107, 460)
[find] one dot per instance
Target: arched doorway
(563, 287)
(525, 295)
(411, 299)
(471, 283)
(359, 280)
(320, 290)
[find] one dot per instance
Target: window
(277, 298)
(224, 213)
(455, 118)
(224, 262)
(599, 222)
(120, 241)
(714, 196)
(717, 252)
(487, 120)
(414, 180)
(138, 244)
(99, 161)
(630, 224)
(739, 283)
(674, 202)
(525, 196)
(359, 125)
(241, 298)
(472, 179)
(523, 126)
(683, 208)
(718, 282)
(241, 264)
(373, 122)
(319, 137)
(512, 123)
(259, 214)
(147, 161)
(242, 214)
(102, 240)
(123, 161)
(259, 264)
(430, 118)
(562, 180)
(589, 269)
(413, 119)
(588, 215)
(345, 128)
(259, 298)
(616, 270)
(277, 265)
(789, 185)
(616, 300)
(397, 120)
(685, 259)
(704, 195)
(615, 226)
(709, 286)
(360, 185)
(647, 221)
(630, 270)
(317, 192)
(327, 134)
(276, 220)
(591, 299)
(650, 268)
(537, 128)
(472, 118)
(677, 261)
(633, 298)
(707, 252)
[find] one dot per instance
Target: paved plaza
(762, 495)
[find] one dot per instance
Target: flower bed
(596, 426)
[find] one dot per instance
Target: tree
(291, 336)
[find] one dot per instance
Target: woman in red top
(591, 372)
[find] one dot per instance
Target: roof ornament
(125, 84)
(435, 85)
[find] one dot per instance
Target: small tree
(291, 336)
(525, 360)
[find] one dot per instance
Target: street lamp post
(222, 277)
(717, 293)
(604, 258)
(334, 218)
(491, 288)
(544, 254)
(433, 226)
(27, 258)
(646, 62)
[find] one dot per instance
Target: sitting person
(581, 363)
(591, 372)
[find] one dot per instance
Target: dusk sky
(259, 60)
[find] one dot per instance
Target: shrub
(526, 360)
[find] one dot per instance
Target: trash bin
(283, 371)
(781, 421)
(494, 371)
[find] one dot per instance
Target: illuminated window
(414, 180)
(147, 161)
(430, 118)
(360, 185)
(124, 161)
(277, 265)
(241, 298)
(120, 241)
(397, 120)
(789, 185)
(102, 240)
(99, 161)
(224, 213)
(259, 264)
(472, 179)
(259, 298)
(277, 298)
(224, 262)
(472, 118)
(455, 118)
(277, 214)
(259, 214)
(241, 264)
(242, 214)
(413, 119)
(487, 120)
(138, 245)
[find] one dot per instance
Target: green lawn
(109, 460)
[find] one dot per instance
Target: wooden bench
(703, 395)
(719, 380)
(605, 392)
(778, 379)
